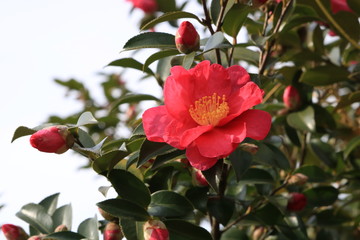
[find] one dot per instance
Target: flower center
(209, 110)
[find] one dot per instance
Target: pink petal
(238, 75)
(197, 160)
(191, 134)
(258, 123)
(155, 120)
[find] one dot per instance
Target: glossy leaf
(130, 63)
(182, 230)
(169, 204)
(241, 162)
(314, 173)
(324, 75)
(324, 151)
(188, 60)
(37, 217)
(133, 98)
(321, 196)
(352, 145)
(122, 208)
(169, 16)
(129, 187)
(50, 203)
(161, 159)
(235, 18)
(245, 54)
(272, 156)
(303, 120)
(63, 215)
(198, 197)
(21, 132)
(257, 176)
(129, 229)
(221, 208)
(150, 40)
(150, 150)
(89, 228)
(166, 5)
(85, 119)
(85, 138)
(66, 235)
(107, 161)
(215, 41)
(158, 55)
(213, 175)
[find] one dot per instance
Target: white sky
(41, 40)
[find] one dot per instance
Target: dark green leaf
(138, 131)
(133, 98)
(213, 175)
(221, 208)
(235, 233)
(151, 40)
(321, 196)
(241, 162)
(324, 151)
(89, 228)
(215, 41)
(122, 208)
(324, 75)
(50, 203)
(85, 139)
(354, 5)
(272, 156)
(323, 119)
(349, 24)
(182, 230)
(166, 5)
(64, 236)
(235, 18)
(158, 55)
(168, 17)
(348, 99)
(63, 215)
(86, 118)
(257, 176)
(198, 197)
(188, 60)
(268, 214)
(107, 161)
(129, 229)
(37, 217)
(303, 120)
(129, 187)
(314, 173)
(161, 159)
(135, 145)
(150, 150)
(21, 132)
(245, 54)
(169, 204)
(352, 145)
(130, 63)
(329, 217)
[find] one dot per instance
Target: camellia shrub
(256, 135)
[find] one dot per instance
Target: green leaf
(250, 56)
(21, 132)
(37, 217)
(321, 196)
(158, 55)
(150, 150)
(85, 139)
(324, 75)
(107, 161)
(272, 156)
(257, 176)
(122, 208)
(348, 99)
(66, 235)
(161, 159)
(129, 187)
(135, 145)
(138, 131)
(241, 162)
(235, 18)
(198, 197)
(314, 173)
(215, 41)
(150, 40)
(166, 5)
(351, 145)
(86, 118)
(188, 60)
(182, 230)
(330, 217)
(303, 120)
(213, 175)
(169, 204)
(268, 215)
(133, 98)
(324, 151)
(169, 16)
(50, 203)
(235, 233)
(130, 63)
(354, 5)
(221, 208)
(63, 215)
(129, 229)
(349, 23)
(89, 228)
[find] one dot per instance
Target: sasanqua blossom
(207, 112)
(148, 6)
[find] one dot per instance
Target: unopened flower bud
(148, 6)
(155, 230)
(55, 139)
(112, 231)
(298, 179)
(107, 216)
(187, 38)
(199, 179)
(339, 5)
(61, 228)
(13, 232)
(291, 98)
(296, 202)
(249, 147)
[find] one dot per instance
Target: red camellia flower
(291, 97)
(207, 112)
(339, 5)
(297, 202)
(187, 38)
(199, 178)
(55, 139)
(148, 6)
(155, 230)
(13, 232)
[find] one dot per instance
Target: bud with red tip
(291, 98)
(155, 230)
(112, 231)
(13, 232)
(148, 6)
(199, 179)
(187, 38)
(55, 139)
(339, 5)
(296, 202)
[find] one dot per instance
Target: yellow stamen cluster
(209, 110)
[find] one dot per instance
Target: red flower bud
(199, 179)
(112, 231)
(187, 38)
(291, 98)
(297, 202)
(339, 5)
(155, 230)
(13, 232)
(148, 6)
(55, 139)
